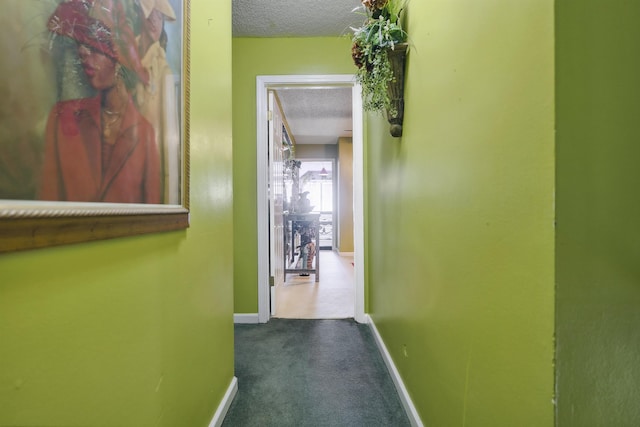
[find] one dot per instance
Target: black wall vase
(395, 88)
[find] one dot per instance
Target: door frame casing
(263, 84)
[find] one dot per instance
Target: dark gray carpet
(311, 373)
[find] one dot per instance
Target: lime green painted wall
(460, 215)
(253, 57)
(598, 273)
(134, 331)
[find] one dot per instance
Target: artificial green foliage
(380, 32)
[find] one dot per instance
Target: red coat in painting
(78, 166)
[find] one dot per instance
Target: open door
(276, 197)
(265, 84)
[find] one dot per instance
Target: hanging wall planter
(395, 88)
(379, 51)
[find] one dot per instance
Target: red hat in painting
(101, 25)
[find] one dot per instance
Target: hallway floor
(333, 297)
(312, 373)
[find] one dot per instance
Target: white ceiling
(315, 115)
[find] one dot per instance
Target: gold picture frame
(45, 122)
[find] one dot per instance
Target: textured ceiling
(315, 116)
(294, 18)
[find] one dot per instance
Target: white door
(276, 199)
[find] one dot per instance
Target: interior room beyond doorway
(316, 182)
(310, 187)
(287, 89)
(333, 297)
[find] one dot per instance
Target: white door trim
(263, 84)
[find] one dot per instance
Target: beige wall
(345, 195)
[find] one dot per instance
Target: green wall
(461, 211)
(134, 331)
(253, 57)
(598, 238)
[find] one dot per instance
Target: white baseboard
(221, 412)
(245, 318)
(407, 403)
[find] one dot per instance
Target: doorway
(326, 293)
(264, 84)
(317, 180)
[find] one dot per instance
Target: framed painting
(94, 120)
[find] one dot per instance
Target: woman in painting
(156, 99)
(100, 149)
